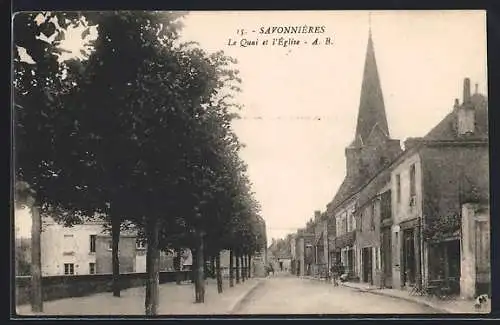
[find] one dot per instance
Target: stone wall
(58, 287)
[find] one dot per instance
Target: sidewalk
(174, 300)
(453, 306)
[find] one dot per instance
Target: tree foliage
(139, 130)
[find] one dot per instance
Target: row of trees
(137, 130)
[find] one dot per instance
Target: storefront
(410, 253)
(345, 244)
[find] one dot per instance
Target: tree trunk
(194, 268)
(249, 266)
(200, 276)
(237, 269)
(115, 240)
(152, 267)
(177, 266)
(206, 259)
(231, 268)
(218, 274)
(243, 268)
(212, 266)
(36, 261)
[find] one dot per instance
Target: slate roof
(371, 104)
(446, 129)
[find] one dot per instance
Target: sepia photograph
(218, 163)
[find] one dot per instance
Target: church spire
(371, 112)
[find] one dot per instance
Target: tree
(158, 112)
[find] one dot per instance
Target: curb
(427, 304)
(242, 299)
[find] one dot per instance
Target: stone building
(372, 210)
(304, 251)
(321, 256)
(127, 252)
(440, 203)
(86, 249)
(70, 250)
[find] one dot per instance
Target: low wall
(65, 286)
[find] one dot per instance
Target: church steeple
(371, 114)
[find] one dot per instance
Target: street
(291, 295)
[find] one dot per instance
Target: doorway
(445, 264)
(386, 257)
(367, 265)
(409, 261)
(350, 262)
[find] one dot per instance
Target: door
(409, 257)
(386, 257)
(350, 262)
(367, 265)
(453, 265)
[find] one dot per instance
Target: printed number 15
(240, 32)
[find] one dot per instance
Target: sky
(301, 101)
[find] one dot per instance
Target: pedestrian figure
(337, 271)
(271, 269)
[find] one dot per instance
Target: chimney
(317, 215)
(475, 89)
(466, 113)
(466, 90)
(411, 143)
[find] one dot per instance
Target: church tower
(372, 147)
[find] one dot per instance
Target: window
(69, 245)
(385, 205)
(412, 184)
(372, 216)
(92, 243)
(92, 268)
(361, 216)
(353, 220)
(398, 188)
(349, 222)
(69, 268)
(110, 245)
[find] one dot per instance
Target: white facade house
(69, 250)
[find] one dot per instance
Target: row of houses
(409, 218)
(86, 249)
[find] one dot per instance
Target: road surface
(292, 295)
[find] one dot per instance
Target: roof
(446, 129)
(374, 186)
(371, 104)
(349, 186)
(371, 125)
